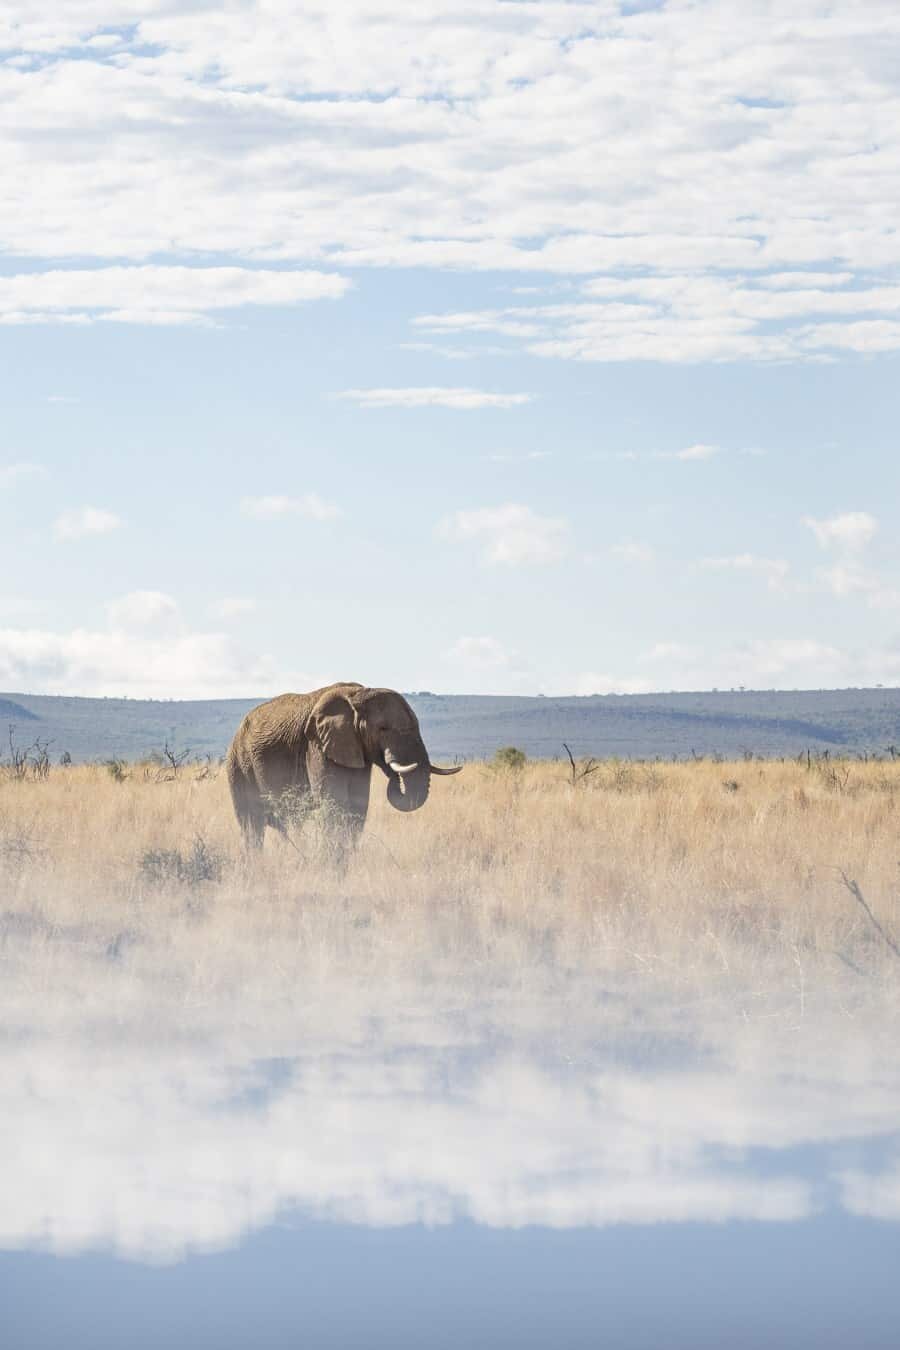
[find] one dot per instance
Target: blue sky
(530, 347)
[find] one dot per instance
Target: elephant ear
(334, 727)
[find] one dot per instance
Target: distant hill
(630, 726)
(14, 712)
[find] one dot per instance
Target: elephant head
(364, 727)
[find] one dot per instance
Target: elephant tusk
(400, 768)
(445, 773)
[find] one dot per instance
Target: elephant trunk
(409, 791)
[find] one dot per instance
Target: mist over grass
(535, 1001)
(689, 868)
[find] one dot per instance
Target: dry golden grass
(525, 1003)
(682, 869)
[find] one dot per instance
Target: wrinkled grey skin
(326, 743)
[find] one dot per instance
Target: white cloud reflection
(155, 1144)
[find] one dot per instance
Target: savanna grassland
(684, 869)
(530, 1002)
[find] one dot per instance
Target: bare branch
(582, 771)
(853, 888)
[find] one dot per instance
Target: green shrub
(116, 769)
(509, 757)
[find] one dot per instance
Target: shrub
(509, 757)
(290, 809)
(34, 758)
(18, 846)
(116, 769)
(168, 866)
(316, 827)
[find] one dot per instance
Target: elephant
(324, 745)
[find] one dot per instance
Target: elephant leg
(253, 829)
(357, 803)
(247, 808)
(284, 788)
(351, 803)
(344, 791)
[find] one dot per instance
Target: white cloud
(632, 551)
(788, 281)
(846, 578)
(480, 652)
(690, 454)
(850, 578)
(97, 662)
(589, 682)
(780, 656)
(775, 570)
(803, 662)
(153, 294)
(679, 652)
(848, 535)
(503, 321)
(797, 661)
(695, 452)
(234, 606)
(432, 398)
(884, 597)
(686, 317)
(416, 1123)
(874, 1194)
(147, 651)
(868, 335)
(511, 534)
(141, 610)
(13, 473)
(518, 457)
(473, 353)
(85, 520)
(310, 505)
(851, 531)
(414, 136)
